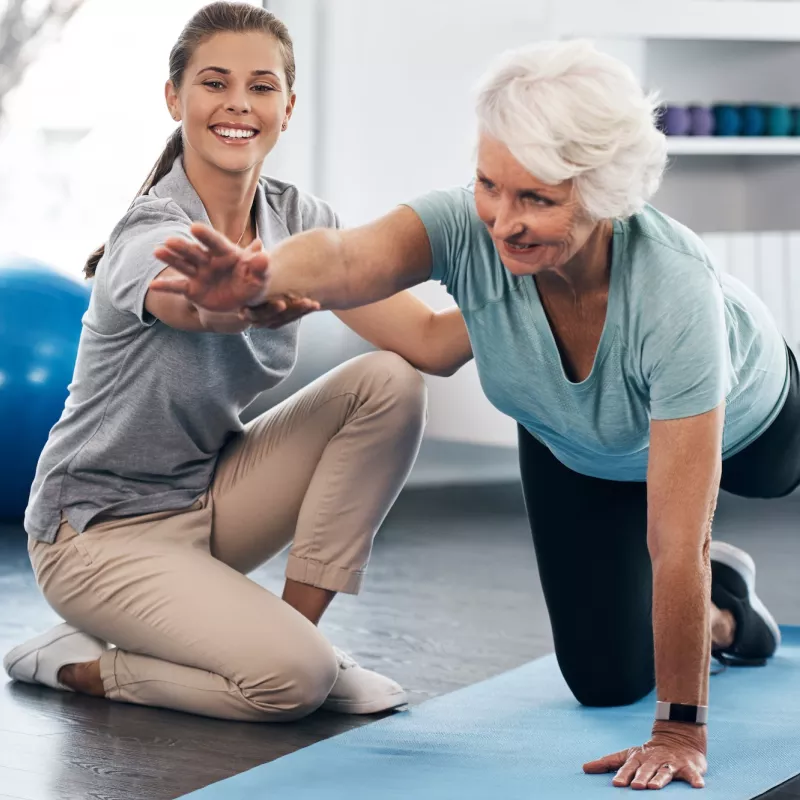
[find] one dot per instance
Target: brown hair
(220, 17)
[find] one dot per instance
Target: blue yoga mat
(521, 735)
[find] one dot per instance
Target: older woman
(641, 378)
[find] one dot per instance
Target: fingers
(606, 764)
(192, 252)
(170, 285)
(627, 773)
(282, 320)
(217, 243)
(277, 313)
(264, 312)
(173, 259)
(257, 263)
(692, 775)
(652, 775)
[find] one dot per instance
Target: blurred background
(383, 114)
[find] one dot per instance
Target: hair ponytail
(161, 168)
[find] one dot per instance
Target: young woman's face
(535, 226)
(233, 100)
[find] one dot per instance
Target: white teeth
(235, 133)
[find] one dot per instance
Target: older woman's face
(535, 226)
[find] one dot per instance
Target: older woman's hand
(675, 752)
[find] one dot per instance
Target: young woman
(151, 501)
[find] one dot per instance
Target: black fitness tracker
(678, 712)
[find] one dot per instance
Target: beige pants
(319, 471)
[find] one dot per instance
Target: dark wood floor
(452, 597)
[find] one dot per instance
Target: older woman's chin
(528, 263)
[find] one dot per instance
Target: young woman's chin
(235, 162)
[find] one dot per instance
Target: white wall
(85, 127)
(384, 113)
(397, 108)
(394, 119)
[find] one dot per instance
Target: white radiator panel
(769, 264)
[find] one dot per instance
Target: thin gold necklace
(246, 226)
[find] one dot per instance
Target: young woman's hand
(279, 311)
(219, 275)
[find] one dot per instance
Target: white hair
(567, 111)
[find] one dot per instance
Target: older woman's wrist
(682, 733)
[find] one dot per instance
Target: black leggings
(590, 537)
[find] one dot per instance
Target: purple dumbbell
(701, 121)
(676, 121)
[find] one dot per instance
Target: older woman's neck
(589, 270)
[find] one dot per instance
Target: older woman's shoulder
(658, 246)
(452, 209)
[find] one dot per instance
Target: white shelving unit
(750, 20)
(733, 146)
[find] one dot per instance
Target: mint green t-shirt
(679, 337)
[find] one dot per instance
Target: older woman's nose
(507, 223)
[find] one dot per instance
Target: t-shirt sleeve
(448, 223)
(130, 264)
(685, 350)
(316, 213)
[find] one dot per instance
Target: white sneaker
(362, 691)
(39, 659)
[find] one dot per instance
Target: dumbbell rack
(706, 52)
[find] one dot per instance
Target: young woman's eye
(213, 84)
(264, 87)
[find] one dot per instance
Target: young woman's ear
(171, 96)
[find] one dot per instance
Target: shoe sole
(13, 657)
(743, 564)
(386, 703)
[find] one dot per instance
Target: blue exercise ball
(40, 325)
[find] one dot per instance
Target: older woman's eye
(486, 184)
(537, 200)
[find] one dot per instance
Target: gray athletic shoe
(733, 583)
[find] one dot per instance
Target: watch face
(678, 712)
(681, 713)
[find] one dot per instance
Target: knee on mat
(612, 693)
(299, 687)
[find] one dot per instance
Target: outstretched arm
(351, 271)
(334, 269)
(343, 269)
(338, 269)
(435, 342)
